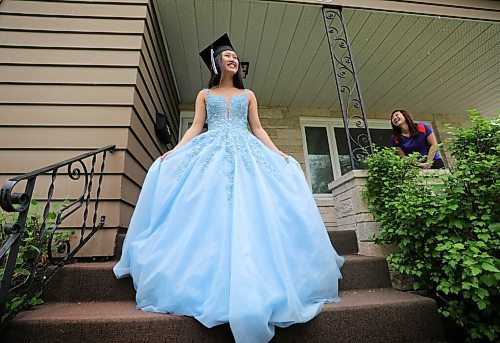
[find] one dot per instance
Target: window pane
(190, 122)
(318, 155)
(379, 136)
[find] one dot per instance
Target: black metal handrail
(20, 203)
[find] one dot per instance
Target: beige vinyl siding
(79, 75)
(77, 9)
(55, 116)
(135, 171)
(160, 67)
(49, 56)
(155, 93)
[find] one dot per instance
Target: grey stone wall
(351, 212)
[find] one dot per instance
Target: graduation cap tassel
(213, 61)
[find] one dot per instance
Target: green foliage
(446, 226)
(29, 250)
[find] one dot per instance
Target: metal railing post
(351, 103)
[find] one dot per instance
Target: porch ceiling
(421, 63)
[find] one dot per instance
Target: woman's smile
(397, 118)
(230, 61)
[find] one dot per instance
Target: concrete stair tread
(110, 264)
(380, 315)
(356, 257)
(122, 310)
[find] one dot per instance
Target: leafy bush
(446, 226)
(29, 249)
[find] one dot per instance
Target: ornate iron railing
(81, 168)
(351, 104)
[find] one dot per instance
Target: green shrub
(446, 226)
(29, 249)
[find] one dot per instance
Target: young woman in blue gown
(226, 229)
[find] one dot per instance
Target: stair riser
(392, 323)
(85, 285)
(133, 331)
(74, 283)
(365, 274)
(344, 242)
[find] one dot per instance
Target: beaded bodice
(227, 113)
(227, 138)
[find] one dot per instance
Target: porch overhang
(425, 62)
(470, 9)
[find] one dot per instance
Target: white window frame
(186, 116)
(330, 124)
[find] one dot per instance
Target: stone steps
(85, 303)
(96, 281)
(369, 315)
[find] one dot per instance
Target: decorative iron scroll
(86, 171)
(351, 104)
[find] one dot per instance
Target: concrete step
(96, 282)
(118, 247)
(93, 281)
(360, 272)
(344, 241)
(377, 315)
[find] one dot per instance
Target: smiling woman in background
(409, 137)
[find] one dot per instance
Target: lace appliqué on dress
(227, 131)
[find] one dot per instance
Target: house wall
(79, 75)
(155, 92)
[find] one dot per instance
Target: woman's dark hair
(215, 78)
(409, 120)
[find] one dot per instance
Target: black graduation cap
(210, 52)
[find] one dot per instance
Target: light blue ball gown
(225, 230)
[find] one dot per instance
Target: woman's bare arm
(400, 152)
(431, 139)
(257, 129)
(198, 123)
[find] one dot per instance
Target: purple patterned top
(418, 143)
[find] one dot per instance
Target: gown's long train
(226, 231)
